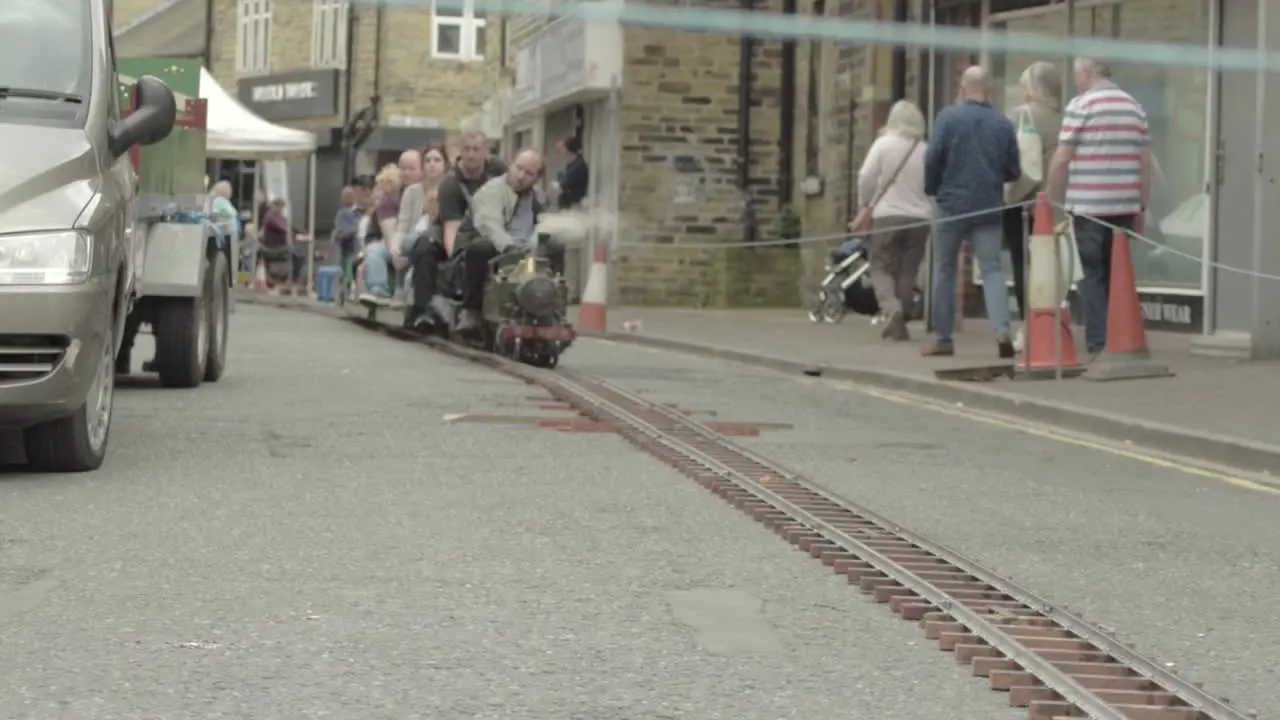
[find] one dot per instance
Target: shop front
(306, 100)
(1172, 276)
(568, 78)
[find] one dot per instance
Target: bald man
(504, 213)
(972, 154)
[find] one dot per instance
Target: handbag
(862, 221)
(1030, 156)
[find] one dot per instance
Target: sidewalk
(1216, 410)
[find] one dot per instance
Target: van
(67, 189)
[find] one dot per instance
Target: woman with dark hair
(417, 210)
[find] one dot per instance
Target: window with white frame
(456, 32)
(329, 34)
(253, 51)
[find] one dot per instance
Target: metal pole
(1024, 299)
(932, 99)
(311, 226)
(1057, 308)
(615, 186)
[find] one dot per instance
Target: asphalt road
(1184, 568)
(311, 539)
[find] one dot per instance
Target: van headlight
(50, 258)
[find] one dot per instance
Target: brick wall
(124, 12)
(412, 81)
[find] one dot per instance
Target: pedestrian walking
(1102, 170)
(1037, 121)
(891, 183)
(972, 154)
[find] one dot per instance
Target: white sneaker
(1019, 338)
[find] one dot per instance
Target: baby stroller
(847, 286)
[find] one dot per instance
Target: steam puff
(574, 226)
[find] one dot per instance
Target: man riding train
(482, 214)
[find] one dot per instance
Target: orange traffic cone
(260, 277)
(1125, 356)
(595, 297)
(1046, 316)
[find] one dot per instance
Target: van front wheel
(78, 443)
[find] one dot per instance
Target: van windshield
(45, 49)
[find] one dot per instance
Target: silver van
(66, 193)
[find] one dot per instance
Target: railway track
(1049, 661)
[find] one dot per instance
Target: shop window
(329, 34)
(253, 37)
(1176, 103)
(458, 33)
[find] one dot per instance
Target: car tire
(181, 329)
(219, 311)
(78, 442)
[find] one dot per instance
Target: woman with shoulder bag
(1035, 123)
(898, 213)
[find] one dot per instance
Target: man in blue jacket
(972, 153)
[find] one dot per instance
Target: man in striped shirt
(1101, 171)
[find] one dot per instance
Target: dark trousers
(1015, 241)
(475, 268)
(896, 255)
(426, 275)
(1093, 241)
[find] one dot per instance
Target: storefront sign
(1173, 313)
(569, 56)
(291, 96)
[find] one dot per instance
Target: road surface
(310, 538)
(1184, 567)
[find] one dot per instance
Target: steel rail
(1061, 683)
(1194, 696)
(579, 393)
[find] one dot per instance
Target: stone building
(400, 74)
(814, 109)
(660, 113)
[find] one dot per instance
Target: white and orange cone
(592, 309)
(260, 277)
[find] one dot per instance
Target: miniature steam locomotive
(525, 310)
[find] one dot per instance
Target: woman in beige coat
(1042, 100)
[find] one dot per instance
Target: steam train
(525, 309)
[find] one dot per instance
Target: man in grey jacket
(504, 213)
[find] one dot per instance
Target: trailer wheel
(181, 329)
(219, 306)
(78, 442)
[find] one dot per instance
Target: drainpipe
(348, 148)
(208, 36)
(377, 61)
(502, 43)
(901, 15)
(787, 121)
(746, 49)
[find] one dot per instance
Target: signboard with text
(291, 96)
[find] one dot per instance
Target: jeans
(377, 268)
(986, 236)
(1093, 242)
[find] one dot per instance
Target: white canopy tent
(234, 132)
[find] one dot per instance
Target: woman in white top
(893, 172)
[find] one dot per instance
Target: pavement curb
(1208, 447)
(1217, 449)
